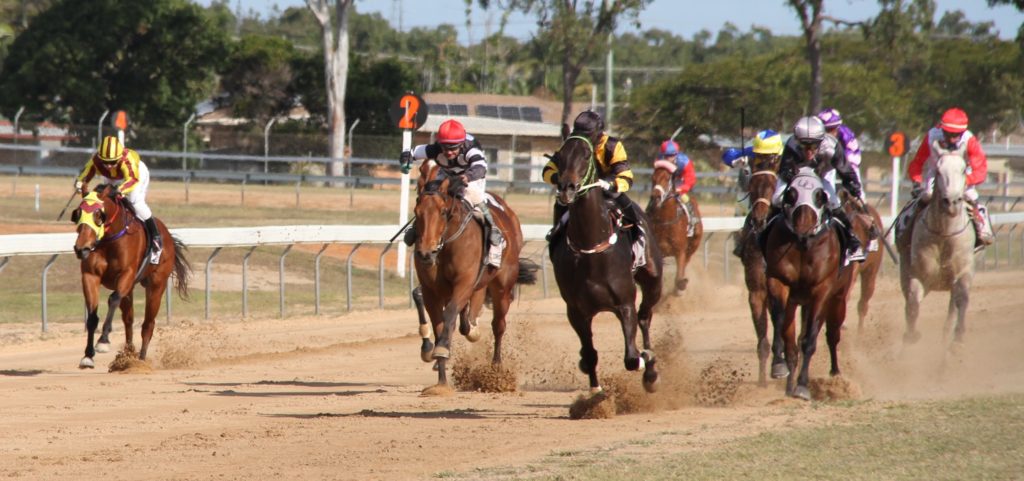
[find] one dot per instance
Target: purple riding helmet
(833, 120)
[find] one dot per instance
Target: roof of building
(492, 126)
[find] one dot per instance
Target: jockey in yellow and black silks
(122, 167)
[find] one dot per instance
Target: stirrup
(856, 256)
(154, 256)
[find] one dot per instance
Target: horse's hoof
(911, 337)
(780, 370)
(102, 347)
(436, 367)
(474, 334)
(427, 351)
(801, 392)
(594, 391)
(441, 353)
(650, 381)
(86, 363)
(634, 364)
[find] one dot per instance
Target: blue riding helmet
(732, 153)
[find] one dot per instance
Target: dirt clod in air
(836, 388)
(719, 383)
(597, 406)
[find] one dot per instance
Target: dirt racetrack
(339, 397)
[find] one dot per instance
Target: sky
(684, 17)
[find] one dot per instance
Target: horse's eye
(76, 215)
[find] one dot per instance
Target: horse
(671, 222)
(112, 247)
(765, 298)
(451, 264)
(803, 254)
(940, 254)
(863, 223)
(593, 263)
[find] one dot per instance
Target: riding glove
(405, 161)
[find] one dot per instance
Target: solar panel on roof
(509, 112)
(439, 109)
(458, 109)
(531, 114)
(487, 111)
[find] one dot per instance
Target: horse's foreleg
(913, 294)
(427, 346)
(469, 318)
(959, 298)
(758, 301)
(681, 280)
(789, 339)
(810, 326)
(833, 330)
(628, 321)
(154, 293)
(588, 355)
(777, 295)
(867, 289)
(90, 287)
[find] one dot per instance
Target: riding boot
(741, 238)
(854, 251)
(495, 236)
(559, 212)
(158, 243)
(979, 216)
(691, 213)
(625, 205)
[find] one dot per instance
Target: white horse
(940, 255)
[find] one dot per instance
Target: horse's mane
(433, 186)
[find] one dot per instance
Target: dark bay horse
(803, 253)
(112, 246)
(670, 221)
(451, 264)
(593, 263)
(766, 299)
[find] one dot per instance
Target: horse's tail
(527, 271)
(182, 268)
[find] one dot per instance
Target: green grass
(975, 438)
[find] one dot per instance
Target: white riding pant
(474, 190)
(138, 195)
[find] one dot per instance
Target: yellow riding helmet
(768, 142)
(110, 150)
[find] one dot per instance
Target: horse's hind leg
(501, 298)
(912, 293)
(588, 355)
(469, 318)
(681, 280)
(128, 318)
(758, 300)
(650, 287)
(154, 293)
(867, 289)
(959, 298)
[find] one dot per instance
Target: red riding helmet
(451, 132)
(954, 120)
(669, 148)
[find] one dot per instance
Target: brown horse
(766, 299)
(593, 262)
(803, 253)
(863, 223)
(451, 264)
(671, 221)
(112, 246)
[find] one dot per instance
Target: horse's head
(90, 218)
(761, 187)
(804, 204)
(576, 169)
(433, 209)
(661, 182)
(950, 182)
(428, 172)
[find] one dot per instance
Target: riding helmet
(588, 123)
(831, 118)
(954, 120)
(451, 132)
(809, 130)
(669, 148)
(768, 142)
(110, 150)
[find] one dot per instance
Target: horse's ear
(75, 215)
(789, 197)
(565, 132)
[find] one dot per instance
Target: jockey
(615, 175)
(121, 166)
(684, 177)
(810, 146)
(459, 156)
(847, 139)
(952, 134)
(766, 150)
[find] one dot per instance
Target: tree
(335, 50)
(575, 31)
(810, 13)
(257, 77)
(153, 58)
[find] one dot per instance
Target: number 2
(412, 106)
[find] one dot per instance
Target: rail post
(46, 269)
(209, 262)
(380, 274)
(245, 281)
(280, 274)
(348, 277)
(316, 279)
